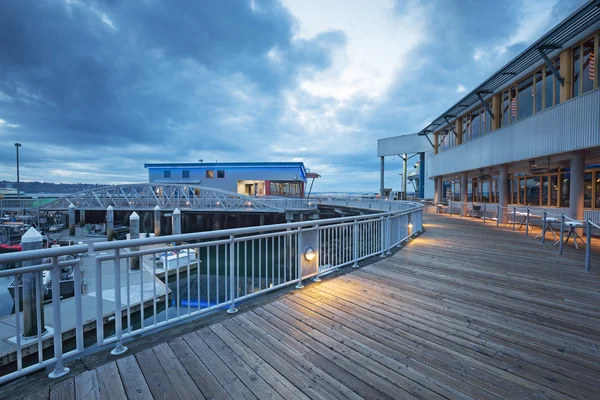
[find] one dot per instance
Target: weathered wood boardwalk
(465, 311)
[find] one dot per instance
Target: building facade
(251, 179)
(530, 134)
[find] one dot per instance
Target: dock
(466, 311)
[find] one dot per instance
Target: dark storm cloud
(107, 76)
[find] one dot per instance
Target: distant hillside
(49, 187)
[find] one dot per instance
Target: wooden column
(435, 143)
(459, 129)
(496, 100)
(566, 71)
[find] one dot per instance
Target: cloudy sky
(94, 89)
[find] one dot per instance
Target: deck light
(410, 225)
(309, 254)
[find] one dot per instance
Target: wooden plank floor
(465, 311)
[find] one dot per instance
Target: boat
(67, 282)
(169, 259)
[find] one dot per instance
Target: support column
(440, 185)
(496, 100)
(176, 222)
(110, 222)
(157, 220)
(566, 72)
(404, 173)
(82, 217)
(32, 286)
(459, 130)
(422, 175)
(464, 192)
(503, 192)
(72, 220)
(576, 186)
(436, 193)
(381, 178)
(262, 219)
(134, 233)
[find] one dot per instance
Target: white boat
(170, 259)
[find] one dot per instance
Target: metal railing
(36, 342)
(371, 204)
(517, 217)
(160, 281)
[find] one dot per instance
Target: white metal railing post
(355, 229)
(514, 217)
(382, 222)
(450, 207)
(298, 258)
(389, 236)
(484, 212)
(588, 245)
(119, 348)
(544, 221)
(318, 250)
(527, 223)
(99, 317)
(59, 368)
(232, 288)
(498, 215)
(562, 233)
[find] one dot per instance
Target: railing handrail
(236, 231)
(43, 253)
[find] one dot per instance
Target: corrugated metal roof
(576, 23)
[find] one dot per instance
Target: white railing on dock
(207, 271)
(24, 365)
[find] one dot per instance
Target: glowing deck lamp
(410, 226)
(309, 254)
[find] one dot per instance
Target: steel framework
(146, 196)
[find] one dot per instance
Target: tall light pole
(17, 145)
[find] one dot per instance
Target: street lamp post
(17, 145)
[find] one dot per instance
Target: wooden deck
(464, 311)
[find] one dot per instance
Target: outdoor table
(522, 216)
(573, 225)
(549, 227)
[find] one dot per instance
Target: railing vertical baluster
(514, 217)
(498, 215)
(99, 312)
(388, 235)
(59, 368)
(246, 267)
(588, 245)
(527, 223)
(232, 287)
(165, 264)
(450, 207)
(253, 271)
(298, 262)
(78, 307)
(217, 275)
(562, 233)
(484, 212)
(382, 233)
(544, 227)
(119, 348)
(318, 278)
(355, 249)
(208, 276)
(18, 322)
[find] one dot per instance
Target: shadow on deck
(464, 311)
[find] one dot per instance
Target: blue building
(249, 178)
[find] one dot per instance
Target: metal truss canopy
(146, 196)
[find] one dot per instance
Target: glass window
(464, 129)
(549, 88)
(487, 120)
(576, 72)
(220, 173)
(553, 190)
(533, 191)
(537, 91)
(587, 78)
(513, 104)
(564, 190)
(167, 174)
(485, 191)
(185, 174)
(544, 186)
(514, 190)
(557, 85)
(587, 190)
(210, 174)
(521, 191)
(475, 124)
(525, 100)
(470, 191)
(597, 189)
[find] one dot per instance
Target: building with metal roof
(529, 135)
